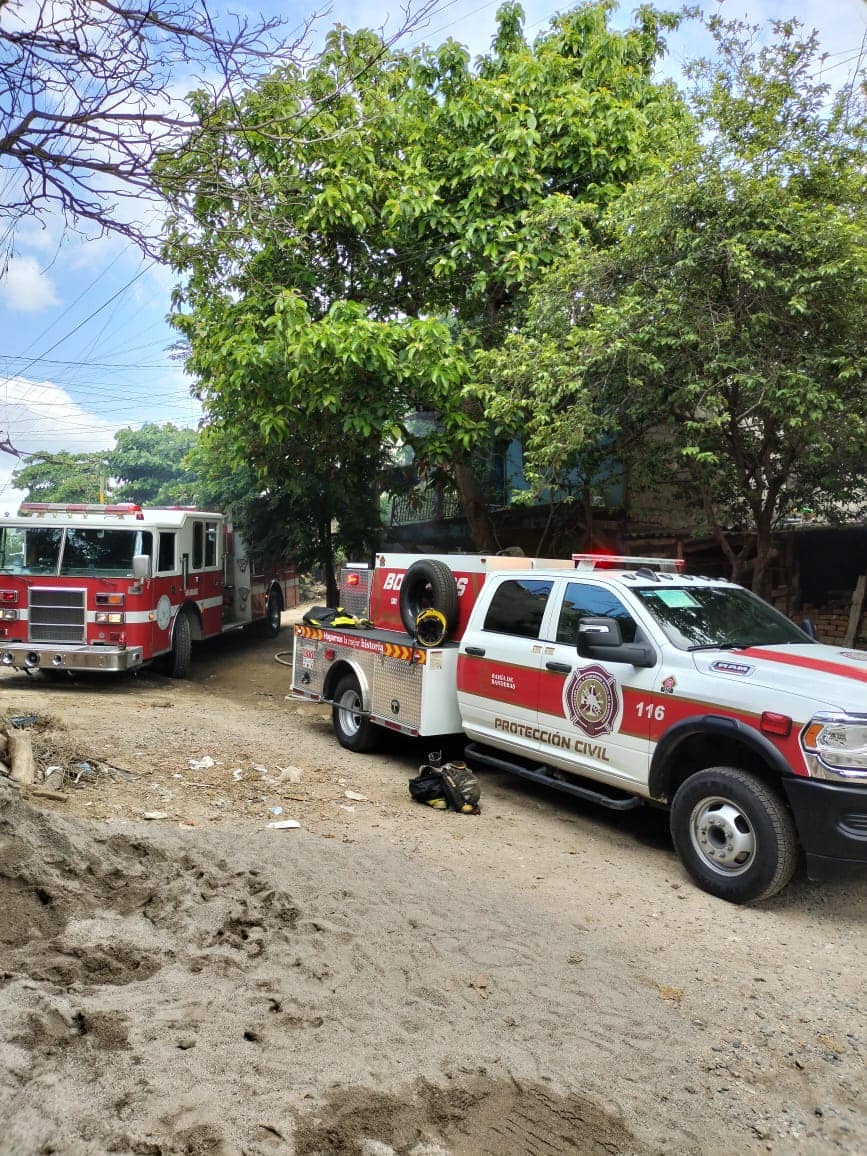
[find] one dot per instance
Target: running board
(542, 774)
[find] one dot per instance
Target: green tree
(63, 477)
(150, 467)
(299, 501)
(368, 226)
(723, 299)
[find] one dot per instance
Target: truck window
(518, 607)
(12, 540)
(105, 552)
(586, 601)
(166, 560)
(210, 543)
(198, 544)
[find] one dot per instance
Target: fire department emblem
(164, 613)
(591, 701)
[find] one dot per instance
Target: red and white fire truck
(622, 681)
(112, 587)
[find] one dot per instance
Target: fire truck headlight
(10, 615)
(838, 745)
(109, 617)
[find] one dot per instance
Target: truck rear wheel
(428, 585)
(734, 834)
(182, 646)
(353, 729)
(269, 627)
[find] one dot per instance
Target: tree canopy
(344, 275)
(721, 302)
(146, 465)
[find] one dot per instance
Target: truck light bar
(624, 562)
(119, 508)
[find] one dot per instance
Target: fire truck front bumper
(831, 819)
(38, 656)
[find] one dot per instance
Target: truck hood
(830, 677)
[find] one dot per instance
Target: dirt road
(387, 978)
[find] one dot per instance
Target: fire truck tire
(269, 627)
(734, 834)
(428, 584)
(353, 730)
(182, 647)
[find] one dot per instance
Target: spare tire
(427, 585)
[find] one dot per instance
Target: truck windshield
(91, 551)
(710, 617)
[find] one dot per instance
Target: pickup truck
(622, 681)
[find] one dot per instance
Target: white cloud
(39, 415)
(26, 288)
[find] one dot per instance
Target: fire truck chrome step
(543, 774)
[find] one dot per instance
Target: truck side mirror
(141, 566)
(602, 638)
(601, 631)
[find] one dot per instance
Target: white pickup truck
(622, 681)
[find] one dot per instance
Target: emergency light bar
(624, 562)
(118, 509)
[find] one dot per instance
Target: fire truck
(113, 587)
(621, 681)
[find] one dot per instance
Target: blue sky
(84, 344)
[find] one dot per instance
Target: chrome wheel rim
(350, 719)
(723, 836)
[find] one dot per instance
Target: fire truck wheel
(428, 585)
(354, 731)
(270, 624)
(182, 646)
(734, 834)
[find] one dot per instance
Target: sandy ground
(387, 978)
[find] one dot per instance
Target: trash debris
(258, 768)
(355, 795)
(284, 775)
(82, 771)
(675, 994)
(24, 720)
(47, 793)
(237, 774)
(480, 983)
(284, 825)
(155, 815)
(202, 764)
(188, 825)
(343, 807)
(275, 810)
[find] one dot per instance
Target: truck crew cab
(623, 681)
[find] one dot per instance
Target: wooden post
(856, 611)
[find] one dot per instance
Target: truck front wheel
(182, 645)
(734, 834)
(353, 729)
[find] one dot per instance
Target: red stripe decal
(807, 663)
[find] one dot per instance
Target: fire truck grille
(57, 616)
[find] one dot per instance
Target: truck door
(601, 708)
(498, 666)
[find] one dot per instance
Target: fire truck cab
(112, 587)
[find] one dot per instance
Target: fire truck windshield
(76, 551)
(717, 617)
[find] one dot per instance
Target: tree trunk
(762, 561)
(474, 507)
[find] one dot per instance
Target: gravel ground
(541, 978)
